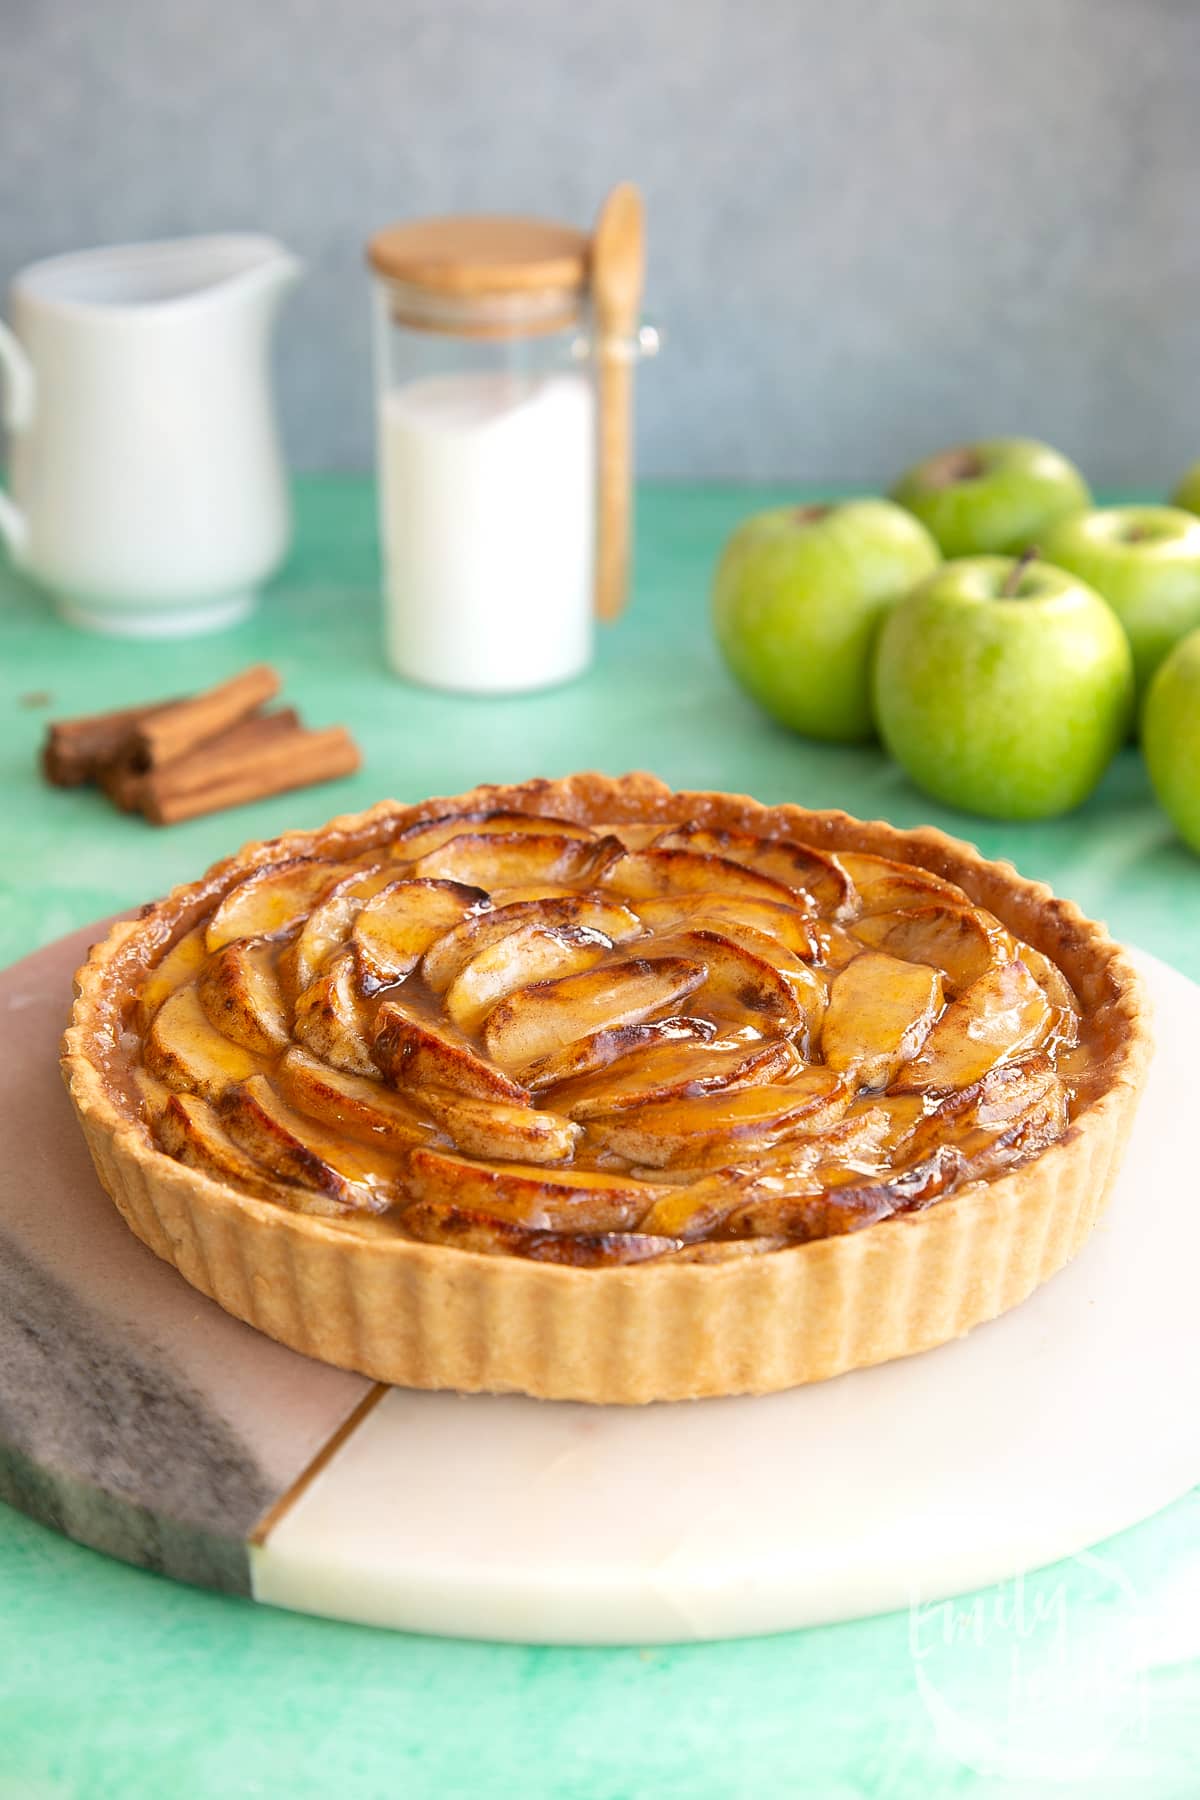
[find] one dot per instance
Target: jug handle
(17, 413)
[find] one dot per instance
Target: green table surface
(1084, 1678)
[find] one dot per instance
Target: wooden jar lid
(481, 254)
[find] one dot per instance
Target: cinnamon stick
(177, 729)
(216, 775)
(76, 750)
(125, 780)
(122, 783)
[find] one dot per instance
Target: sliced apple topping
(734, 915)
(444, 960)
(187, 1052)
(331, 1020)
(239, 992)
(190, 1131)
(885, 886)
(536, 1021)
(152, 1094)
(327, 927)
(809, 990)
(181, 964)
(816, 874)
(784, 1170)
(527, 1037)
(636, 835)
(598, 1250)
(693, 1210)
(708, 1129)
(497, 1128)
(393, 931)
(652, 874)
(959, 939)
(1008, 1090)
(895, 1117)
(297, 1151)
(272, 898)
(998, 1144)
(1000, 1016)
(428, 835)
(528, 954)
(674, 1071)
(723, 1250)
(880, 1013)
(1064, 1007)
(975, 1117)
(748, 989)
(1010, 1114)
(488, 1234)
(603, 1048)
(854, 1136)
(844, 1202)
(697, 1209)
(531, 890)
(418, 1053)
(361, 1105)
(544, 1200)
(503, 859)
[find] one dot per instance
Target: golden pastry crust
(350, 1292)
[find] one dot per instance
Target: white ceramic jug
(147, 490)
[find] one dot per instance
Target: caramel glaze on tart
(595, 1036)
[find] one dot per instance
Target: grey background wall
(877, 225)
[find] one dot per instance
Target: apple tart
(593, 1090)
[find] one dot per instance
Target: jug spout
(141, 279)
(267, 270)
(280, 269)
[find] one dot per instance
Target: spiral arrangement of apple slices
(518, 1035)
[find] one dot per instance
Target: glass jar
(487, 435)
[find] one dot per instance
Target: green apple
(1187, 494)
(995, 497)
(1145, 561)
(1004, 687)
(1171, 737)
(799, 595)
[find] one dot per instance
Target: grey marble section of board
(875, 227)
(135, 1415)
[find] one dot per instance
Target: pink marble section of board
(135, 1415)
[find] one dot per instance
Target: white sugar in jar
(487, 520)
(487, 446)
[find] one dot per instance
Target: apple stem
(1013, 579)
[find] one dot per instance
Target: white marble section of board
(1035, 1437)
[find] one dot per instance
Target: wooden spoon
(618, 273)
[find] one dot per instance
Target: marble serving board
(138, 1418)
